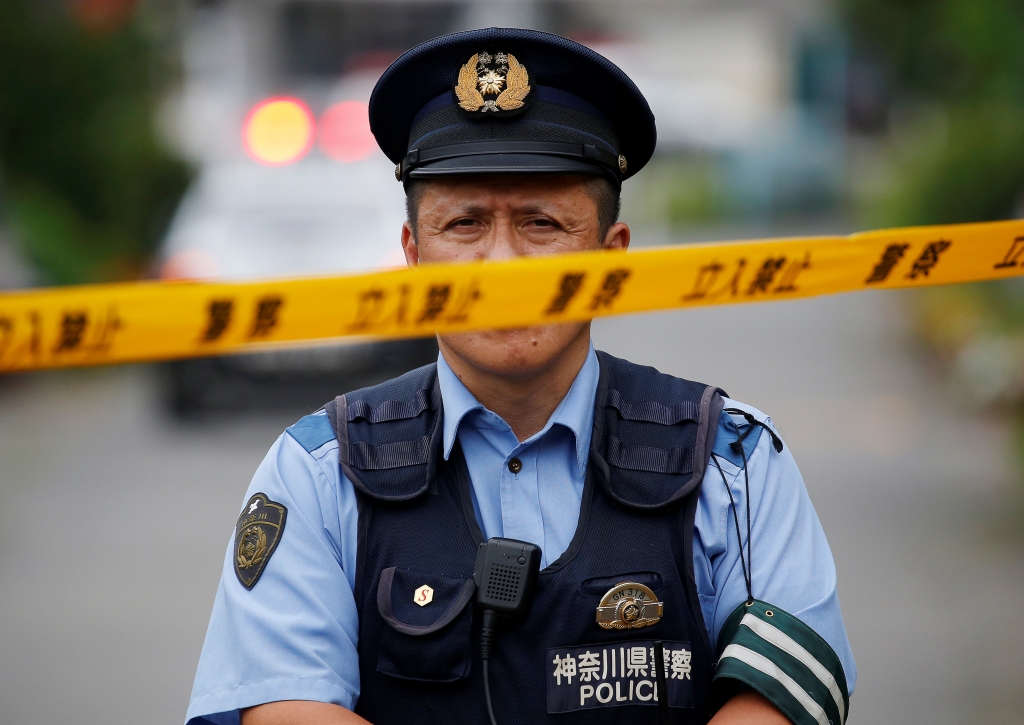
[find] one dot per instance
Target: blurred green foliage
(965, 60)
(961, 160)
(695, 192)
(88, 186)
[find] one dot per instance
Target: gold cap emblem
(629, 606)
(492, 82)
(622, 163)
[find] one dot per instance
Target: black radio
(506, 576)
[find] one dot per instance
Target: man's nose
(503, 242)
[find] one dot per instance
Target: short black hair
(604, 193)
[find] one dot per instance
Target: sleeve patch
(312, 431)
(257, 535)
(786, 661)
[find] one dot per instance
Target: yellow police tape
(116, 323)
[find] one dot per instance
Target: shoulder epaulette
(312, 431)
(746, 433)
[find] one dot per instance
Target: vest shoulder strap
(389, 435)
(653, 433)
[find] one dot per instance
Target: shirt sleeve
(293, 636)
(792, 565)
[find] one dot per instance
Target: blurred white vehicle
(336, 209)
(246, 221)
(272, 111)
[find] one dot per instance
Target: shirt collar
(575, 412)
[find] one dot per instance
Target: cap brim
(506, 164)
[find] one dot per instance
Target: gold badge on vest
(629, 605)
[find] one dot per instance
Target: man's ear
(617, 237)
(412, 251)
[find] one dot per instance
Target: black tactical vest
(651, 442)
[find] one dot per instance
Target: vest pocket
(428, 637)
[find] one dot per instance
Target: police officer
(684, 574)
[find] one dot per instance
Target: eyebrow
(475, 209)
(471, 210)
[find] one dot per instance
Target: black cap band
(504, 157)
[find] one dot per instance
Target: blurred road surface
(114, 519)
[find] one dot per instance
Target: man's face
(482, 217)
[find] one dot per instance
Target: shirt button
(515, 465)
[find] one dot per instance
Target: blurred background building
(229, 139)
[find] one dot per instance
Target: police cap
(507, 101)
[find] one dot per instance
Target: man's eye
(543, 223)
(464, 223)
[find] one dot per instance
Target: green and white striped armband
(786, 661)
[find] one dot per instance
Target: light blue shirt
(295, 635)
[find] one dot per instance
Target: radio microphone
(506, 576)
